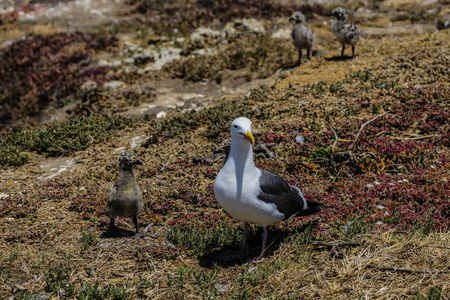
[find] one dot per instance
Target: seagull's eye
(235, 126)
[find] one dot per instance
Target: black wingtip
(325, 206)
(312, 204)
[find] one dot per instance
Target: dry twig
(362, 128)
(407, 270)
(336, 138)
(335, 249)
(425, 246)
(331, 245)
(417, 138)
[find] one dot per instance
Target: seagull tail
(316, 205)
(320, 205)
(313, 207)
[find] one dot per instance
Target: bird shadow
(340, 58)
(118, 233)
(231, 255)
(290, 67)
(296, 65)
(227, 256)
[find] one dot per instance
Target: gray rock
(141, 59)
(152, 112)
(88, 86)
(147, 89)
(443, 24)
(113, 85)
(192, 103)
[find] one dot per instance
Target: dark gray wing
(352, 32)
(311, 35)
(288, 200)
(112, 195)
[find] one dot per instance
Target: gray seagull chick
(302, 35)
(125, 196)
(346, 33)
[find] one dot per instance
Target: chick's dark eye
(235, 126)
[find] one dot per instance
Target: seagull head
(128, 159)
(241, 130)
(298, 17)
(339, 13)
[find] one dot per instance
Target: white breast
(337, 31)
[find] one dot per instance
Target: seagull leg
(343, 48)
(307, 53)
(246, 232)
(299, 57)
(137, 233)
(264, 237)
(353, 51)
(111, 226)
(263, 253)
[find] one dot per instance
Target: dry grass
(306, 271)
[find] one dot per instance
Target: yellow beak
(249, 137)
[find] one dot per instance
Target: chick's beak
(249, 137)
(291, 18)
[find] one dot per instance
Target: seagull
(346, 33)
(125, 196)
(250, 194)
(302, 35)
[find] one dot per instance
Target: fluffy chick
(346, 33)
(303, 36)
(125, 196)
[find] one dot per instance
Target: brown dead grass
(310, 271)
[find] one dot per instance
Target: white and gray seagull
(250, 194)
(346, 33)
(302, 35)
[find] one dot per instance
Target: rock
(397, 4)
(365, 13)
(283, 33)
(88, 86)
(443, 24)
(229, 31)
(245, 25)
(141, 59)
(251, 25)
(429, 3)
(113, 85)
(147, 89)
(117, 63)
(128, 60)
(103, 63)
(202, 34)
(153, 40)
(179, 41)
(192, 103)
(154, 111)
(5, 44)
(161, 114)
(162, 57)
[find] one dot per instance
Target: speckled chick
(346, 33)
(125, 196)
(303, 36)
